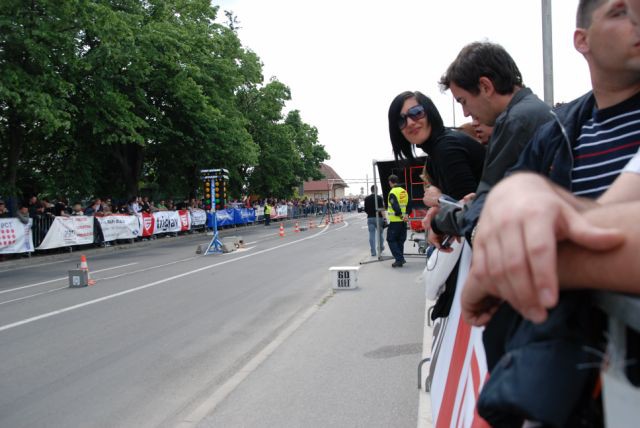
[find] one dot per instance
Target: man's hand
(431, 196)
(514, 248)
(433, 238)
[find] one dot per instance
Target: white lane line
(33, 295)
(207, 407)
(101, 279)
(13, 269)
(61, 278)
(151, 284)
(145, 269)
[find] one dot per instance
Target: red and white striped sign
(460, 364)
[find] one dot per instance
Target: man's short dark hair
(483, 59)
(585, 12)
(393, 179)
(373, 189)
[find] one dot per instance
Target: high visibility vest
(267, 209)
(403, 199)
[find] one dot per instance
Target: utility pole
(547, 52)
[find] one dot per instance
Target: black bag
(548, 371)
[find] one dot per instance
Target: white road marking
(37, 265)
(149, 285)
(206, 407)
(33, 295)
(62, 278)
(145, 269)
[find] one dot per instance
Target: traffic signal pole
(214, 178)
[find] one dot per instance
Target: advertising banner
(15, 237)
(147, 224)
(198, 217)
(185, 220)
(166, 221)
(460, 364)
(244, 215)
(68, 231)
(225, 217)
(280, 211)
(119, 227)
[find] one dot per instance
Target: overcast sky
(345, 60)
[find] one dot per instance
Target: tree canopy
(103, 97)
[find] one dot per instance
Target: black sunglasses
(415, 113)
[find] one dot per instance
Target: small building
(330, 187)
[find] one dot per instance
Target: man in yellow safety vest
(267, 213)
(398, 211)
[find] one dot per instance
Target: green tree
(36, 53)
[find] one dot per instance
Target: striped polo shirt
(607, 141)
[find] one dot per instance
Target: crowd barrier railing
(49, 232)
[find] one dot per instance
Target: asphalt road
(162, 330)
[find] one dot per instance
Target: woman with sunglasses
(455, 159)
(454, 164)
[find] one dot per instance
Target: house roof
(330, 181)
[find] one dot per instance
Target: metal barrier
(40, 227)
(621, 375)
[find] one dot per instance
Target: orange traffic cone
(85, 266)
(297, 229)
(281, 230)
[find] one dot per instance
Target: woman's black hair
(401, 147)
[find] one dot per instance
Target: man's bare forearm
(615, 270)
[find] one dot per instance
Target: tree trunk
(16, 141)
(130, 158)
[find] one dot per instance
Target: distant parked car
(361, 206)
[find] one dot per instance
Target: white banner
(166, 221)
(15, 237)
(198, 217)
(68, 231)
(119, 227)
(281, 211)
(259, 211)
(460, 364)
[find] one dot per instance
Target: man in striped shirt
(583, 150)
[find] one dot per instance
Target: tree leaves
(104, 96)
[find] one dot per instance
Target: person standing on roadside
(398, 213)
(374, 207)
(267, 213)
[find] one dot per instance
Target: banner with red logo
(15, 237)
(185, 220)
(68, 231)
(460, 365)
(147, 224)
